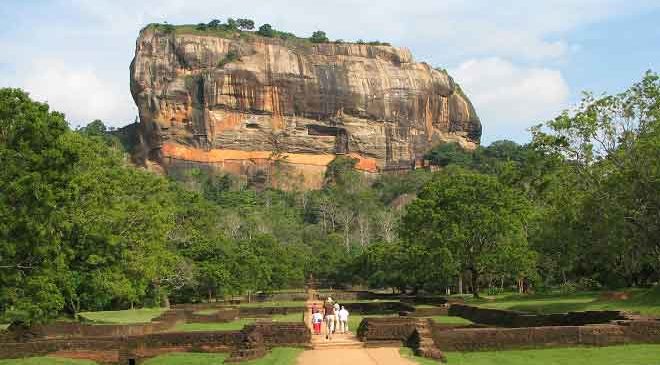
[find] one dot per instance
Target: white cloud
(80, 91)
(510, 98)
(93, 40)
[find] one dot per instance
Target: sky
(521, 62)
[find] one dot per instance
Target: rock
(251, 105)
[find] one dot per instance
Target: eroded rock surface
(290, 101)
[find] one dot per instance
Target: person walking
(329, 311)
(317, 319)
(336, 307)
(343, 320)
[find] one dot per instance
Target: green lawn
(125, 316)
(645, 302)
(289, 303)
(234, 325)
(426, 306)
(4, 326)
(278, 356)
(615, 355)
(451, 320)
(45, 361)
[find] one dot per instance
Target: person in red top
(329, 311)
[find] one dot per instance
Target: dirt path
(345, 349)
(363, 356)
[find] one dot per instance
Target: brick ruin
(493, 329)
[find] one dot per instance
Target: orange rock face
(290, 104)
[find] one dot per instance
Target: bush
(266, 30)
(245, 24)
(230, 57)
(568, 287)
(319, 37)
(588, 284)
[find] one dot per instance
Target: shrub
(266, 30)
(231, 56)
(568, 287)
(245, 24)
(319, 37)
(588, 284)
(232, 24)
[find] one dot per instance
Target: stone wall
(243, 345)
(507, 318)
(255, 312)
(386, 329)
(378, 307)
(476, 339)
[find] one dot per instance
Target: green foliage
(449, 153)
(471, 220)
(231, 56)
(266, 30)
(319, 36)
(245, 24)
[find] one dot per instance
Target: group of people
(334, 316)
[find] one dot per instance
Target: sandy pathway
(352, 354)
(363, 356)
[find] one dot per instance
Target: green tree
(319, 36)
(266, 30)
(449, 153)
(470, 217)
(245, 24)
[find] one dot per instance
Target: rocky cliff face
(249, 105)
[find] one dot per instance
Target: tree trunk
(460, 284)
(475, 283)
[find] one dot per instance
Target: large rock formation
(250, 105)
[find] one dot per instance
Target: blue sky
(520, 61)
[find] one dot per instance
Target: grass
(451, 320)
(46, 360)
(234, 325)
(289, 303)
(426, 306)
(615, 355)
(645, 302)
(4, 326)
(278, 356)
(124, 316)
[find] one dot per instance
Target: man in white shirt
(343, 320)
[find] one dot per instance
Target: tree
(319, 37)
(215, 23)
(266, 30)
(245, 24)
(449, 153)
(81, 229)
(610, 146)
(470, 215)
(232, 24)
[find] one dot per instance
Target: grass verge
(278, 356)
(45, 360)
(615, 355)
(646, 302)
(124, 316)
(233, 325)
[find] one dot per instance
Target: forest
(82, 228)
